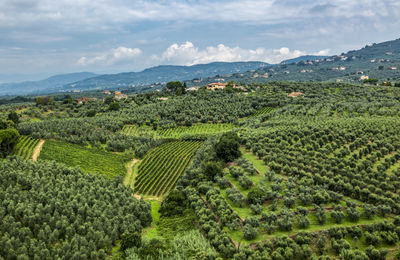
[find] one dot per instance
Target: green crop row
(161, 167)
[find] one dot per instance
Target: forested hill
(51, 84)
(380, 61)
(162, 74)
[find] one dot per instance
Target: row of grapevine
(162, 167)
(195, 129)
(263, 111)
(178, 132)
(25, 146)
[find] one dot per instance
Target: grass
(151, 232)
(88, 159)
(258, 164)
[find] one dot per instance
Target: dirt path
(129, 178)
(37, 150)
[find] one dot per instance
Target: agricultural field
(161, 167)
(178, 132)
(88, 159)
(25, 147)
(263, 111)
(332, 183)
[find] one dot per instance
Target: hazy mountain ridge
(51, 84)
(162, 74)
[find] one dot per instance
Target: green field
(88, 159)
(161, 167)
(25, 146)
(178, 132)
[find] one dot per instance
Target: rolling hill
(381, 61)
(162, 74)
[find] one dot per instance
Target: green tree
(227, 149)
(8, 138)
(131, 239)
(14, 117)
(114, 106)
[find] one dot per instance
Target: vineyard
(178, 132)
(263, 111)
(25, 146)
(198, 129)
(161, 167)
(88, 159)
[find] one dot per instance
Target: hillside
(162, 74)
(49, 85)
(264, 175)
(304, 58)
(381, 61)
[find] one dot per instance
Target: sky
(45, 37)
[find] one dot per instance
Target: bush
(249, 232)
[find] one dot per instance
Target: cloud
(111, 57)
(188, 54)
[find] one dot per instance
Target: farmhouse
(216, 85)
(393, 68)
(107, 92)
(85, 100)
(119, 95)
(364, 77)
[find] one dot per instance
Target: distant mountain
(381, 61)
(49, 85)
(304, 58)
(162, 74)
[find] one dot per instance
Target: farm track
(36, 151)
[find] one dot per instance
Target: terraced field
(88, 159)
(161, 168)
(25, 146)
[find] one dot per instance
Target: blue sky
(43, 37)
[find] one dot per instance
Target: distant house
(255, 75)
(342, 68)
(193, 89)
(107, 92)
(83, 100)
(364, 77)
(335, 69)
(266, 75)
(296, 94)
(216, 85)
(393, 68)
(162, 98)
(119, 95)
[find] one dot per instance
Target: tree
(131, 239)
(256, 196)
(114, 106)
(212, 170)
(176, 87)
(174, 204)
(249, 232)
(227, 149)
(8, 138)
(44, 100)
(14, 117)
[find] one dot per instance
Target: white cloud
(111, 57)
(188, 54)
